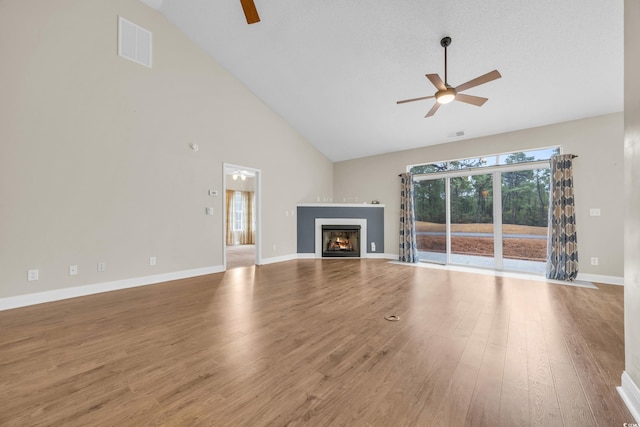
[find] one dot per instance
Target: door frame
(258, 210)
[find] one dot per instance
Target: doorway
(241, 213)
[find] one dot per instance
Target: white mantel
(340, 205)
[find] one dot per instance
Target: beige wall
(95, 163)
(632, 194)
(598, 179)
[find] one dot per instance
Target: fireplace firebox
(340, 240)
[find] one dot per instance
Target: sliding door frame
(496, 172)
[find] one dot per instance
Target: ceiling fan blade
(436, 81)
(433, 110)
(470, 99)
(250, 11)
(486, 78)
(415, 99)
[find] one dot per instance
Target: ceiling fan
(447, 93)
(250, 11)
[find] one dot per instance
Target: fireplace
(340, 240)
(330, 223)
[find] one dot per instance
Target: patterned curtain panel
(562, 261)
(408, 246)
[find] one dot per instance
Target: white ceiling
(334, 69)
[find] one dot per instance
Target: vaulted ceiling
(334, 69)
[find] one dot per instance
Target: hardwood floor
(241, 256)
(305, 343)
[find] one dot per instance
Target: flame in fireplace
(340, 245)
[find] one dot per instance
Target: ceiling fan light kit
(446, 96)
(447, 93)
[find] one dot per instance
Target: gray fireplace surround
(371, 215)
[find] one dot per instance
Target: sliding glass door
(494, 219)
(525, 215)
(431, 220)
(472, 220)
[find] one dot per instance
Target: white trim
(340, 205)
(80, 291)
(362, 222)
(498, 249)
(379, 255)
(281, 258)
(630, 394)
(609, 280)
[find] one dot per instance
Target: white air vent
(134, 42)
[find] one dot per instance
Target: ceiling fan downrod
(445, 42)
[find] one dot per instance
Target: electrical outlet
(373, 246)
(152, 260)
(33, 275)
(73, 270)
(594, 261)
(594, 212)
(102, 266)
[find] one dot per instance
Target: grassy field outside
(523, 249)
(482, 228)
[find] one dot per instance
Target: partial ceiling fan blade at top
(250, 11)
(470, 99)
(436, 81)
(485, 78)
(414, 99)
(433, 110)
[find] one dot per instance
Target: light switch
(213, 193)
(594, 212)
(209, 211)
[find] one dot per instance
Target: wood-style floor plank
(305, 343)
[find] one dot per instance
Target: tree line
(525, 195)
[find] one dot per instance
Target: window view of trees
(525, 195)
(525, 210)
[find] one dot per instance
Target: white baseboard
(630, 394)
(80, 291)
(597, 278)
(382, 255)
(307, 256)
(282, 258)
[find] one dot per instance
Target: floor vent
(134, 42)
